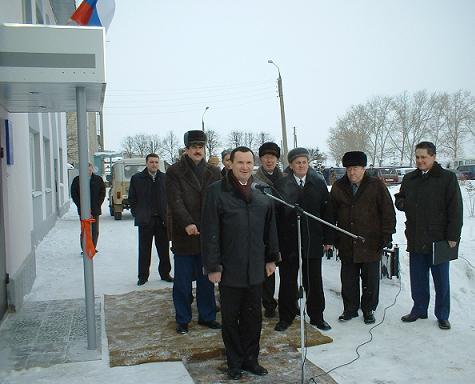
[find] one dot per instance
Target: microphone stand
(302, 300)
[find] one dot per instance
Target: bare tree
(128, 146)
(155, 144)
(141, 144)
(316, 154)
(458, 114)
(170, 147)
(213, 142)
(235, 139)
(264, 137)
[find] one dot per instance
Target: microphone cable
(325, 373)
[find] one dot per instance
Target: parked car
(386, 174)
(338, 173)
(401, 172)
(467, 171)
(120, 176)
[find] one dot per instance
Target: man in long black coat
(148, 204)
(239, 243)
(98, 194)
(310, 192)
(187, 181)
(430, 196)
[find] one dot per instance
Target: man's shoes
(321, 324)
(213, 324)
(182, 329)
(141, 282)
(269, 312)
(411, 317)
(347, 315)
(168, 279)
(255, 368)
(369, 317)
(281, 326)
(444, 324)
(234, 373)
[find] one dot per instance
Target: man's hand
(214, 277)
(192, 230)
(326, 247)
(270, 268)
(452, 243)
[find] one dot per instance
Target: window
(47, 162)
(35, 163)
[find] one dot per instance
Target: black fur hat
(269, 148)
(194, 137)
(354, 158)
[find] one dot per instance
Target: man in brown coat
(362, 205)
(186, 184)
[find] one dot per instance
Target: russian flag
(97, 13)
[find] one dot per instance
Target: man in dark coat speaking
(239, 245)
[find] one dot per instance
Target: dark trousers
(350, 285)
(268, 289)
(187, 268)
(146, 235)
(94, 232)
(419, 266)
(288, 290)
(242, 322)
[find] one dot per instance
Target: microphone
(259, 187)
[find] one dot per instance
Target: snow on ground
(399, 353)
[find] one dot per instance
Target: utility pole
(295, 139)
(282, 116)
(202, 119)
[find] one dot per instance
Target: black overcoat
(98, 194)
(185, 201)
(433, 207)
(237, 237)
(369, 213)
(313, 198)
(140, 197)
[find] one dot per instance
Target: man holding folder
(430, 196)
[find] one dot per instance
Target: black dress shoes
(213, 324)
(168, 279)
(281, 326)
(444, 324)
(182, 329)
(411, 317)
(255, 368)
(347, 315)
(321, 324)
(141, 282)
(234, 373)
(369, 317)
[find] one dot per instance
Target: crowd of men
(225, 232)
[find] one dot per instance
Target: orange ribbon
(90, 249)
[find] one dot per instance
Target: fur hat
(354, 158)
(194, 137)
(269, 148)
(297, 152)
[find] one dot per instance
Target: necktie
(301, 183)
(355, 188)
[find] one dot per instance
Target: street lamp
(202, 119)
(282, 116)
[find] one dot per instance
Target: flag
(97, 13)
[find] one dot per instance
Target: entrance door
(3, 257)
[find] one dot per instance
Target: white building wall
(30, 211)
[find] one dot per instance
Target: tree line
(389, 127)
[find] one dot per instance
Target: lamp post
(202, 119)
(282, 116)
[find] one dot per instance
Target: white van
(402, 171)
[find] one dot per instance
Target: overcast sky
(169, 59)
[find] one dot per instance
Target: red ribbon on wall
(90, 249)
